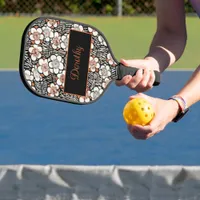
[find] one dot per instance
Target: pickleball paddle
(68, 61)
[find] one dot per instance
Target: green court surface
(129, 37)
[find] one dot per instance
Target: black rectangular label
(77, 63)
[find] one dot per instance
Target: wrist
(153, 62)
(175, 109)
(182, 107)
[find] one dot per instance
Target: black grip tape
(124, 71)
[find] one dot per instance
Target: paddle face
(66, 61)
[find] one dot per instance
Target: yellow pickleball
(138, 111)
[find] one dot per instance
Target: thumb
(131, 63)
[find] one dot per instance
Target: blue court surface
(34, 130)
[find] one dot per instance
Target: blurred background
(83, 7)
(127, 24)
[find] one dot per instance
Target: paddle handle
(123, 71)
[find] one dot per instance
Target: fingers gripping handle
(123, 71)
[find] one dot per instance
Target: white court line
(8, 70)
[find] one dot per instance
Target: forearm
(169, 41)
(191, 91)
(166, 48)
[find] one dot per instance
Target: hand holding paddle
(145, 78)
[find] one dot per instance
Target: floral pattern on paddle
(44, 64)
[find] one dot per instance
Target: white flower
(48, 33)
(36, 74)
(105, 82)
(110, 59)
(61, 79)
(85, 99)
(55, 64)
(29, 76)
(52, 23)
(101, 40)
(105, 71)
(53, 90)
(95, 33)
(43, 67)
(97, 91)
(64, 43)
(36, 35)
(93, 64)
(35, 52)
(78, 27)
(56, 41)
(104, 43)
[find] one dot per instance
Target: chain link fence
(80, 7)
